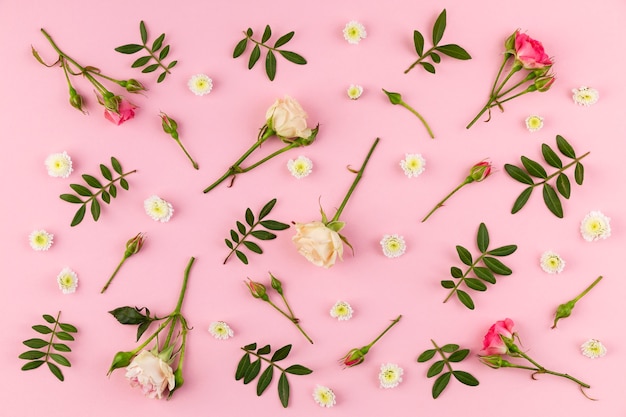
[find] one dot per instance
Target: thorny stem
(440, 204)
(292, 319)
(393, 323)
(194, 163)
(176, 315)
(113, 276)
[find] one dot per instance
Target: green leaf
(496, 266)
(106, 172)
(454, 51)
(252, 371)
(465, 299)
(563, 185)
(447, 284)
(485, 274)
(503, 250)
(270, 65)
(242, 257)
(435, 57)
(64, 336)
(264, 350)
(449, 348)
(140, 62)
(240, 48)
(459, 355)
(172, 64)
(161, 77)
(241, 228)
(564, 146)
(440, 384)
(141, 329)
(117, 167)
(263, 235)
(579, 173)
(267, 34)
(475, 284)
(130, 48)
(249, 217)
(106, 197)
(250, 347)
(42, 329)
(228, 243)
(124, 184)
(550, 156)
(284, 39)
(518, 174)
(143, 32)
(521, 200)
(49, 318)
(127, 315)
(78, 217)
(32, 365)
(61, 360)
(281, 353)
(426, 355)
(283, 390)
(464, 255)
(150, 68)
(234, 236)
(456, 272)
(534, 168)
(164, 52)
(293, 57)
(465, 378)
(428, 67)
(113, 191)
(32, 354)
(274, 225)
(61, 347)
(253, 247)
(156, 45)
(254, 56)
(551, 198)
(55, 371)
(95, 209)
(267, 208)
(81, 190)
(264, 380)
(439, 27)
(298, 370)
(242, 366)
(249, 32)
(482, 238)
(418, 41)
(435, 369)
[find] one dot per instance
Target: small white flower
(585, 96)
(158, 209)
(301, 167)
(390, 375)
(354, 32)
(593, 348)
(552, 263)
(324, 396)
(595, 226)
(200, 84)
(413, 164)
(355, 91)
(59, 165)
(534, 123)
(67, 280)
(40, 240)
(220, 330)
(341, 311)
(393, 246)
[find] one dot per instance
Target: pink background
(585, 40)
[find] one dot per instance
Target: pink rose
(125, 111)
(151, 373)
(318, 244)
(530, 52)
(493, 343)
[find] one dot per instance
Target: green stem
(512, 97)
(263, 359)
(445, 359)
(294, 320)
(554, 174)
(149, 339)
(529, 77)
(267, 158)
(393, 323)
(260, 43)
(176, 316)
(495, 82)
(419, 116)
(354, 183)
(113, 276)
(56, 324)
(542, 370)
(420, 59)
(462, 279)
(582, 294)
(440, 204)
(194, 163)
(156, 58)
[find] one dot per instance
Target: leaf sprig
(37, 358)
(455, 355)
(452, 50)
(248, 370)
(104, 192)
(152, 50)
(247, 232)
(482, 274)
(134, 316)
(535, 169)
(270, 58)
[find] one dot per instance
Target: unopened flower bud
(543, 84)
(178, 380)
(480, 171)
(76, 100)
(564, 310)
(132, 86)
(111, 102)
(121, 360)
(509, 43)
(134, 245)
(353, 358)
(169, 125)
(276, 284)
(257, 290)
(394, 98)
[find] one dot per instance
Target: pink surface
(585, 40)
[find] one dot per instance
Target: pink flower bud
(134, 245)
(353, 358)
(169, 125)
(257, 290)
(480, 171)
(543, 84)
(132, 86)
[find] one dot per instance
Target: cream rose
(151, 373)
(287, 118)
(318, 244)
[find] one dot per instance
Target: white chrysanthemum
(59, 165)
(324, 396)
(341, 311)
(40, 240)
(393, 245)
(593, 348)
(300, 167)
(585, 96)
(413, 164)
(158, 209)
(390, 375)
(552, 263)
(200, 84)
(355, 91)
(67, 280)
(220, 330)
(534, 123)
(595, 226)
(354, 32)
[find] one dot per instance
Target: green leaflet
(456, 355)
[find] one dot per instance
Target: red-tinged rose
(530, 52)
(125, 111)
(353, 358)
(480, 171)
(493, 343)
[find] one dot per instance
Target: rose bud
(258, 290)
(132, 86)
(480, 171)
(121, 360)
(353, 358)
(134, 245)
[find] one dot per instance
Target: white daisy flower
(158, 209)
(40, 240)
(220, 330)
(413, 164)
(585, 96)
(354, 32)
(393, 246)
(390, 375)
(67, 280)
(324, 396)
(534, 123)
(300, 167)
(59, 165)
(595, 226)
(200, 84)
(593, 348)
(551, 262)
(341, 311)
(355, 91)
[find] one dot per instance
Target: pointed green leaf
(564, 146)
(95, 209)
(283, 390)
(68, 328)
(234, 236)
(128, 315)
(284, 39)
(447, 284)
(579, 173)
(113, 191)
(521, 200)
(274, 225)
(64, 336)
(426, 355)
(440, 384)
(518, 174)
(150, 68)
(117, 167)
(267, 208)
(464, 255)
(454, 51)
(263, 235)
(465, 378)
(418, 41)
(160, 79)
(264, 350)
(428, 67)
(32, 365)
(32, 354)
(254, 56)
(164, 52)
(550, 156)
(130, 48)
(485, 274)
(250, 347)
(456, 272)
(172, 64)
(563, 185)
(106, 172)
(252, 371)
(143, 32)
(465, 299)
(61, 347)
(435, 57)
(140, 62)
(298, 370)
(71, 198)
(249, 32)
(242, 366)
(78, 217)
(496, 266)
(249, 217)
(551, 198)
(42, 329)
(253, 247)
(141, 329)
(240, 48)
(241, 228)
(264, 380)
(242, 257)
(55, 371)
(439, 27)
(49, 318)
(267, 34)
(281, 353)
(106, 197)
(459, 355)
(435, 369)
(81, 190)
(449, 348)
(482, 239)
(293, 57)
(228, 243)
(61, 360)
(270, 65)
(156, 45)
(124, 184)
(534, 168)
(475, 284)
(503, 250)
